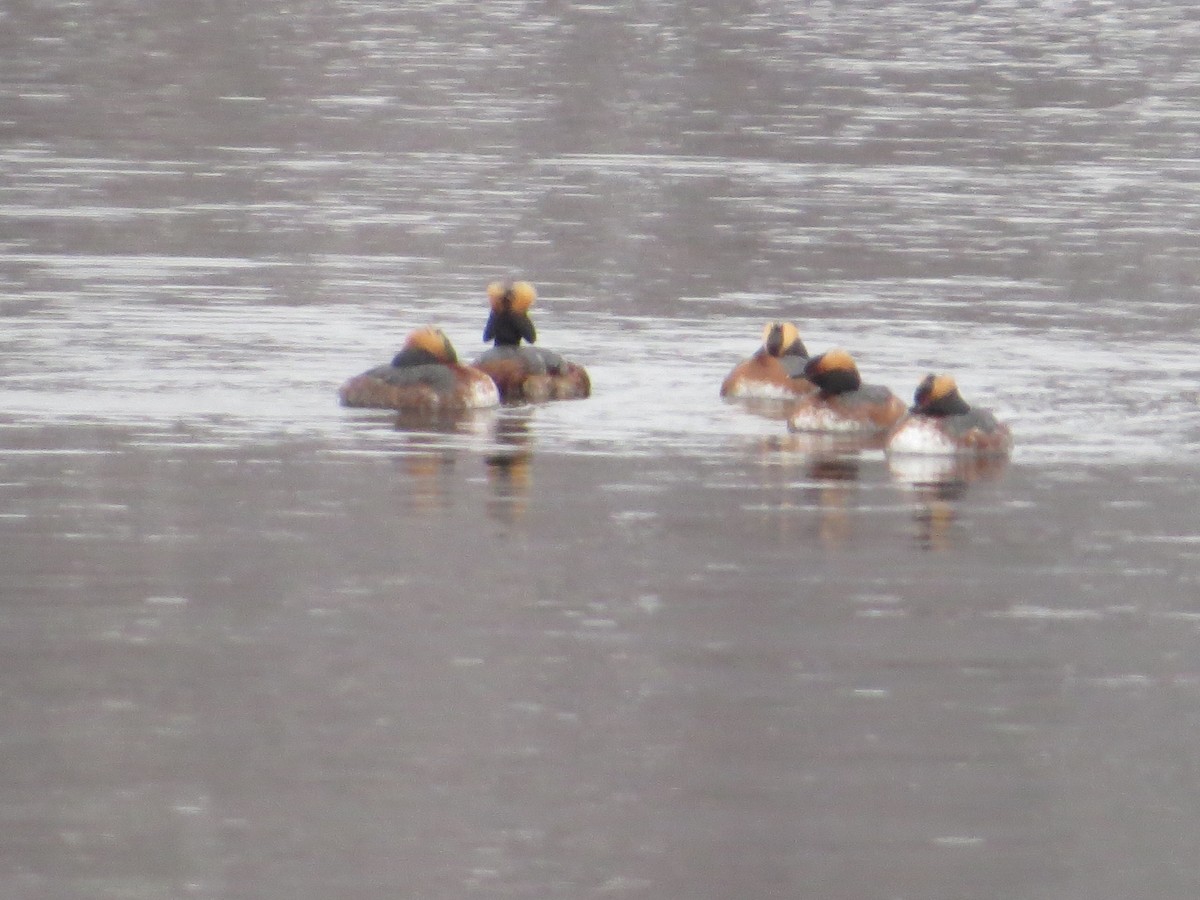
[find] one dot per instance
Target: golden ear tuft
(932, 389)
(518, 296)
(523, 296)
(787, 332)
(433, 341)
(496, 291)
(837, 360)
(942, 386)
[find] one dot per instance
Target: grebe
(525, 372)
(942, 422)
(425, 376)
(775, 371)
(842, 402)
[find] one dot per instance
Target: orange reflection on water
(939, 483)
(829, 466)
(509, 470)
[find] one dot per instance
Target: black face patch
(414, 356)
(949, 404)
(839, 381)
(506, 329)
(832, 381)
(775, 340)
(924, 389)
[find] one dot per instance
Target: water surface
(644, 645)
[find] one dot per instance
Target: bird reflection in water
(834, 480)
(428, 478)
(940, 483)
(828, 466)
(446, 422)
(508, 469)
(776, 410)
(427, 458)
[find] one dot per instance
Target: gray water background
(648, 645)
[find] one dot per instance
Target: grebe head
(434, 342)
(782, 337)
(511, 296)
(834, 372)
(937, 395)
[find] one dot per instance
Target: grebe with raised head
(775, 371)
(525, 372)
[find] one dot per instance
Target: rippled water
(649, 644)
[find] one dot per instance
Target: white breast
(483, 393)
(919, 435)
(748, 389)
(822, 418)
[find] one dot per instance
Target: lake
(648, 644)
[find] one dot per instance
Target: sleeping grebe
(425, 376)
(842, 402)
(942, 422)
(525, 372)
(775, 371)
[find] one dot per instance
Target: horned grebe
(425, 376)
(775, 371)
(942, 422)
(525, 372)
(842, 402)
